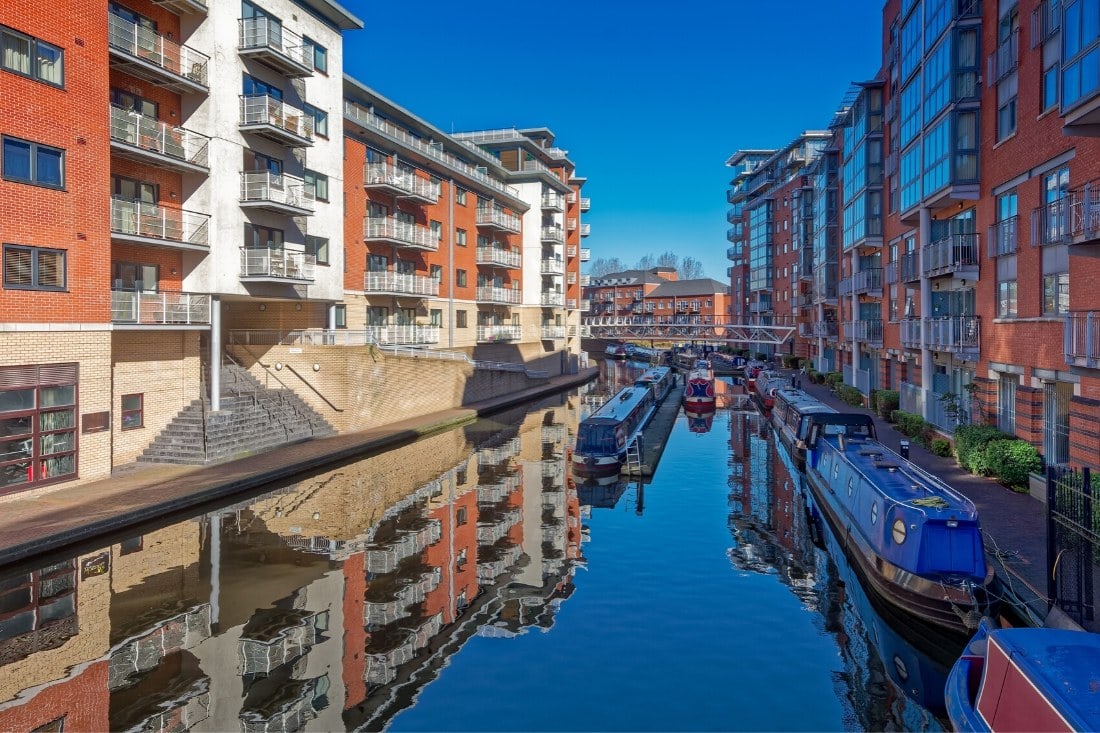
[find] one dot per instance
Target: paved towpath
(31, 526)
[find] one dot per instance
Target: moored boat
(915, 542)
(615, 351)
(658, 379)
(765, 385)
(699, 388)
(792, 418)
(1026, 679)
(603, 437)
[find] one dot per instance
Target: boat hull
(597, 466)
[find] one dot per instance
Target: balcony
(552, 266)
(1073, 219)
(494, 334)
(281, 194)
(553, 235)
(275, 120)
(403, 184)
(152, 142)
(865, 282)
(552, 333)
(1005, 59)
(909, 270)
(571, 278)
(586, 254)
(276, 266)
(1003, 237)
(553, 202)
(399, 283)
(586, 280)
(401, 233)
(868, 331)
(959, 335)
(956, 255)
(499, 257)
(267, 41)
(586, 204)
(825, 329)
(586, 230)
(404, 335)
(552, 300)
(144, 309)
(133, 221)
(571, 224)
(492, 217)
(1082, 339)
(147, 55)
(909, 332)
(502, 296)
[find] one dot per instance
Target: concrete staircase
(252, 419)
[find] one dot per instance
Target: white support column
(215, 353)
(331, 321)
(215, 568)
(924, 238)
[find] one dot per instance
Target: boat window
(858, 431)
(596, 439)
(874, 512)
(851, 482)
(835, 429)
(836, 471)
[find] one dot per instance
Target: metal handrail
(150, 46)
(150, 134)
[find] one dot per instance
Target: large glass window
(1080, 52)
(38, 440)
(937, 80)
(22, 54)
(30, 162)
(911, 178)
(33, 268)
(1006, 403)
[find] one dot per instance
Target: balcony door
(136, 209)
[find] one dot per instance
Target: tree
(602, 266)
(645, 263)
(669, 259)
(691, 269)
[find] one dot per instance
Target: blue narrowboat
(792, 417)
(915, 542)
(603, 437)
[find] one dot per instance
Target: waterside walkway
(31, 526)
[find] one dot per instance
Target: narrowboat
(658, 379)
(1026, 679)
(615, 351)
(915, 542)
(792, 417)
(765, 385)
(699, 388)
(603, 436)
(699, 422)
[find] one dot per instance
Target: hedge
(914, 426)
(886, 401)
(833, 379)
(941, 447)
(791, 362)
(970, 443)
(849, 394)
(1012, 461)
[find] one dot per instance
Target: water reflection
(324, 604)
(889, 681)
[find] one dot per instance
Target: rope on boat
(932, 502)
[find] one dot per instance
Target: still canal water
(465, 582)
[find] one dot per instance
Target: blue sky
(649, 99)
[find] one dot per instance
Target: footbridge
(716, 330)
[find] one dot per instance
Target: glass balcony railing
(278, 264)
(277, 119)
(267, 40)
(504, 296)
(188, 229)
(156, 58)
(491, 334)
(403, 233)
(156, 141)
(499, 257)
(398, 283)
(158, 309)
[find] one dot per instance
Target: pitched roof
(632, 277)
(680, 288)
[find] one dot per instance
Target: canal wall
(656, 434)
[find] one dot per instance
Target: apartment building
(622, 294)
(980, 122)
(703, 300)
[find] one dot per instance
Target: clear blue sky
(649, 99)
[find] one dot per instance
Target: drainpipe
(451, 267)
(215, 353)
(926, 368)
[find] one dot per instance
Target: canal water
(466, 582)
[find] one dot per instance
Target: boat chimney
(841, 443)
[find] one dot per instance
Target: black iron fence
(1073, 544)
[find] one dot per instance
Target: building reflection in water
(773, 535)
(325, 603)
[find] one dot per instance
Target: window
(33, 268)
(259, 237)
(437, 230)
(1056, 293)
(317, 53)
(253, 87)
(1006, 403)
(133, 103)
(320, 119)
(318, 247)
(460, 278)
(460, 237)
(133, 411)
(1049, 81)
(460, 197)
(1006, 299)
(28, 162)
(38, 424)
(136, 277)
(318, 183)
(1006, 119)
(460, 319)
(436, 272)
(340, 315)
(30, 57)
(435, 317)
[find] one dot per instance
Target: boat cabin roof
(655, 374)
(618, 407)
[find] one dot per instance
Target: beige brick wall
(162, 366)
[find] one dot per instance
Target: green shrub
(914, 426)
(833, 379)
(1012, 461)
(791, 361)
(886, 401)
(941, 447)
(850, 395)
(815, 376)
(970, 442)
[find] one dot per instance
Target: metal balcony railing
(277, 263)
(1003, 237)
(552, 266)
(401, 232)
(399, 283)
(866, 330)
(281, 189)
(136, 219)
(495, 217)
(499, 256)
(173, 59)
(491, 294)
(489, 334)
(586, 280)
(586, 204)
(909, 332)
(553, 300)
(1082, 339)
(408, 334)
(157, 309)
(260, 109)
(864, 282)
(571, 303)
(959, 334)
(571, 224)
(585, 304)
(909, 270)
(586, 254)
(267, 36)
(586, 230)
(955, 253)
(154, 136)
(890, 273)
(553, 332)
(571, 278)
(825, 329)
(1050, 223)
(553, 201)
(553, 234)
(1004, 59)
(1046, 19)
(404, 183)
